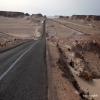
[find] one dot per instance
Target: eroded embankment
(64, 66)
(83, 53)
(88, 55)
(80, 56)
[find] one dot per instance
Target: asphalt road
(23, 72)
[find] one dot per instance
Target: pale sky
(53, 7)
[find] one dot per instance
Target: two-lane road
(23, 72)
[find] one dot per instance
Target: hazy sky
(52, 7)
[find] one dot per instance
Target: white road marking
(14, 63)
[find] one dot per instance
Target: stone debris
(77, 53)
(63, 61)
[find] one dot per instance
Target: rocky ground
(59, 86)
(73, 56)
(78, 62)
(16, 30)
(7, 41)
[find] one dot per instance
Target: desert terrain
(72, 51)
(16, 30)
(74, 46)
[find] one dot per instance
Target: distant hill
(37, 15)
(86, 17)
(13, 14)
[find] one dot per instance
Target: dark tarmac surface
(23, 72)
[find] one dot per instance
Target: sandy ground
(13, 30)
(54, 29)
(83, 26)
(20, 28)
(67, 37)
(63, 88)
(59, 85)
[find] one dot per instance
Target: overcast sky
(53, 7)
